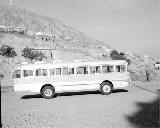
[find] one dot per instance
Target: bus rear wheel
(106, 88)
(48, 92)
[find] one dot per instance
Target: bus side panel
(89, 82)
(76, 86)
(121, 80)
(120, 84)
(33, 84)
(78, 82)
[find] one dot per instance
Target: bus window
(120, 68)
(44, 72)
(58, 71)
(52, 72)
(107, 68)
(27, 73)
(71, 70)
(38, 72)
(95, 69)
(65, 71)
(17, 74)
(82, 70)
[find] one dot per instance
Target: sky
(124, 24)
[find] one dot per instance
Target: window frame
(40, 72)
(15, 73)
(72, 69)
(96, 72)
(108, 68)
(120, 68)
(43, 72)
(54, 71)
(60, 71)
(29, 73)
(84, 66)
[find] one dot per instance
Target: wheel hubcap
(106, 88)
(48, 92)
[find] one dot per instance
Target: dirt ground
(136, 108)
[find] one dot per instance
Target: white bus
(49, 79)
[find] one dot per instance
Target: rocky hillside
(68, 44)
(13, 16)
(67, 38)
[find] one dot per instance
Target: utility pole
(54, 29)
(53, 47)
(83, 36)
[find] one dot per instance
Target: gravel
(121, 109)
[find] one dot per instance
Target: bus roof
(68, 64)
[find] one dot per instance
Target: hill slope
(69, 43)
(13, 16)
(71, 39)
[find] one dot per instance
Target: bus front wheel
(105, 88)
(48, 92)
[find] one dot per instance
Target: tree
(28, 53)
(122, 53)
(114, 52)
(115, 55)
(7, 51)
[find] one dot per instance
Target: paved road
(137, 108)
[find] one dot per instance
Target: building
(30, 33)
(20, 30)
(3, 28)
(48, 52)
(45, 37)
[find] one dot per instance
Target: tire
(48, 92)
(106, 88)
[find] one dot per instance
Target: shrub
(7, 51)
(28, 53)
(115, 55)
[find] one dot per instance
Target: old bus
(49, 79)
